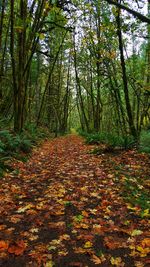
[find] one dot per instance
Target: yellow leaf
(139, 248)
(74, 231)
(88, 244)
(63, 253)
(85, 214)
(55, 242)
(47, 5)
(52, 248)
(116, 261)
(64, 237)
(143, 251)
(49, 264)
(131, 208)
(34, 230)
(136, 232)
(146, 213)
(23, 209)
(114, 11)
(132, 247)
(41, 36)
(127, 222)
(139, 264)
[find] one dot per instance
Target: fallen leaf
(76, 264)
(52, 248)
(3, 245)
(88, 244)
(143, 251)
(84, 213)
(62, 252)
(17, 248)
(79, 250)
(64, 237)
(116, 261)
(34, 230)
(139, 264)
(146, 213)
(136, 232)
(131, 207)
(49, 264)
(23, 209)
(146, 242)
(96, 259)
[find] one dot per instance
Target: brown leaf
(146, 242)
(17, 248)
(96, 260)
(3, 245)
(76, 264)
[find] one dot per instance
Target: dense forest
(74, 133)
(75, 64)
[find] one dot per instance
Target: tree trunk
(1, 55)
(124, 78)
(98, 68)
(78, 87)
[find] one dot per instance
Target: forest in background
(74, 64)
(79, 67)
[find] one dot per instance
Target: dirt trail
(66, 207)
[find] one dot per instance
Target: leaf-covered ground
(68, 207)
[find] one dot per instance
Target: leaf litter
(67, 207)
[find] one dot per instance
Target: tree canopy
(82, 64)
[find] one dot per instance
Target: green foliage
(18, 145)
(145, 142)
(95, 138)
(112, 140)
(11, 143)
(35, 133)
(68, 203)
(78, 218)
(134, 193)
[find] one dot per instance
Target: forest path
(65, 207)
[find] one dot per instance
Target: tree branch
(44, 53)
(131, 11)
(60, 26)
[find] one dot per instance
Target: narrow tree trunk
(78, 86)
(124, 78)
(49, 79)
(13, 62)
(66, 100)
(1, 55)
(98, 68)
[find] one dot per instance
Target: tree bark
(124, 78)
(1, 55)
(78, 86)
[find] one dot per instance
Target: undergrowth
(113, 140)
(18, 145)
(145, 142)
(136, 193)
(134, 190)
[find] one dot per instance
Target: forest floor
(68, 207)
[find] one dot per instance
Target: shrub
(94, 138)
(145, 142)
(109, 139)
(15, 145)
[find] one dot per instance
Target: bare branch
(131, 11)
